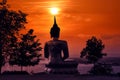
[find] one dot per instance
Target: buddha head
(55, 30)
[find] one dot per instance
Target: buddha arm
(46, 52)
(65, 51)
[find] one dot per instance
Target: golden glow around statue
(54, 10)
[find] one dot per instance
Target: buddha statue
(54, 47)
(57, 52)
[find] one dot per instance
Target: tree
(101, 69)
(10, 23)
(27, 51)
(93, 50)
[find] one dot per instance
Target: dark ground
(58, 77)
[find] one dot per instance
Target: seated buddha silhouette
(56, 50)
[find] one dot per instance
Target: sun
(54, 10)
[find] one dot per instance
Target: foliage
(15, 73)
(101, 69)
(93, 50)
(10, 23)
(27, 51)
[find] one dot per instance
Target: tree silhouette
(101, 69)
(27, 51)
(3, 2)
(10, 23)
(93, 50)
(13, 50)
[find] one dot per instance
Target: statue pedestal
(66, 67)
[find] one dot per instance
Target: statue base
(66, 67)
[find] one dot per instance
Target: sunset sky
(79, 20)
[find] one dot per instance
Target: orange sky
(78, 20)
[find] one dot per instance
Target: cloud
(108, 37)
(84, 35)
(105, 36)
